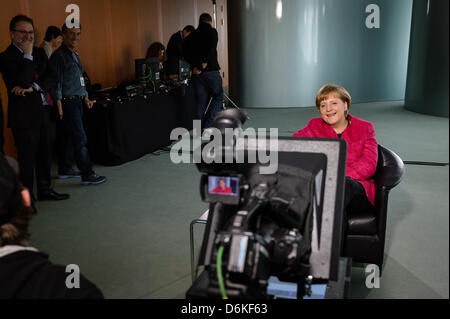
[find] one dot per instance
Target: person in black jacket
(26, 273)
(200, 51)
(31, 115)
(175, 51)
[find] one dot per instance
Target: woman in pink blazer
(333, 103)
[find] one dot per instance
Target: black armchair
(365, 236)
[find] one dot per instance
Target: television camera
(263, 225)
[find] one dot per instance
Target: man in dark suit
(31, 115)
(175, 51)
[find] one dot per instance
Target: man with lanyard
(70, 94)
(30, 107)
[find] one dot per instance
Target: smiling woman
(333, 103)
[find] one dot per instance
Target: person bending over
(175, 51)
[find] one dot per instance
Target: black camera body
(257, 235)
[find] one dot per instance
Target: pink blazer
(362, 155)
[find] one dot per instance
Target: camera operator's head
(16, 210)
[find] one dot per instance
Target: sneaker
(69, 174)
(93, 179)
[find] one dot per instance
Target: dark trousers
(355, 198)
(35, 152)
(73, 140)
(207, 85)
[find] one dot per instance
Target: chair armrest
(392, 169)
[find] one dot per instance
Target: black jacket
(201, 47)
(30, 275)
(174, 53)
(25, 111)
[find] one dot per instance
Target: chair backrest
(390, 168)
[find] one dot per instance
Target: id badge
(82, 80)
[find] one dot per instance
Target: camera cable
(219, 273)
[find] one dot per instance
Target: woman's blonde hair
(327, 89)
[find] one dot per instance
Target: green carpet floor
(130, 236)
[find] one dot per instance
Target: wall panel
(283, 51)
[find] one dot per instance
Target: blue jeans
(64, 149)
(208, 84)
(74, 140)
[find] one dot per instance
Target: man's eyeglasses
(23, 32)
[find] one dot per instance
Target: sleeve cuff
(36, 86)
(28, 56)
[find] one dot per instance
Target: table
(119, 132)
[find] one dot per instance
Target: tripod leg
(234, 104)
(191, 233)
(207, 107)
(228, 98)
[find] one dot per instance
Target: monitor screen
(223, 185)
(184, 70)
(147, 70)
